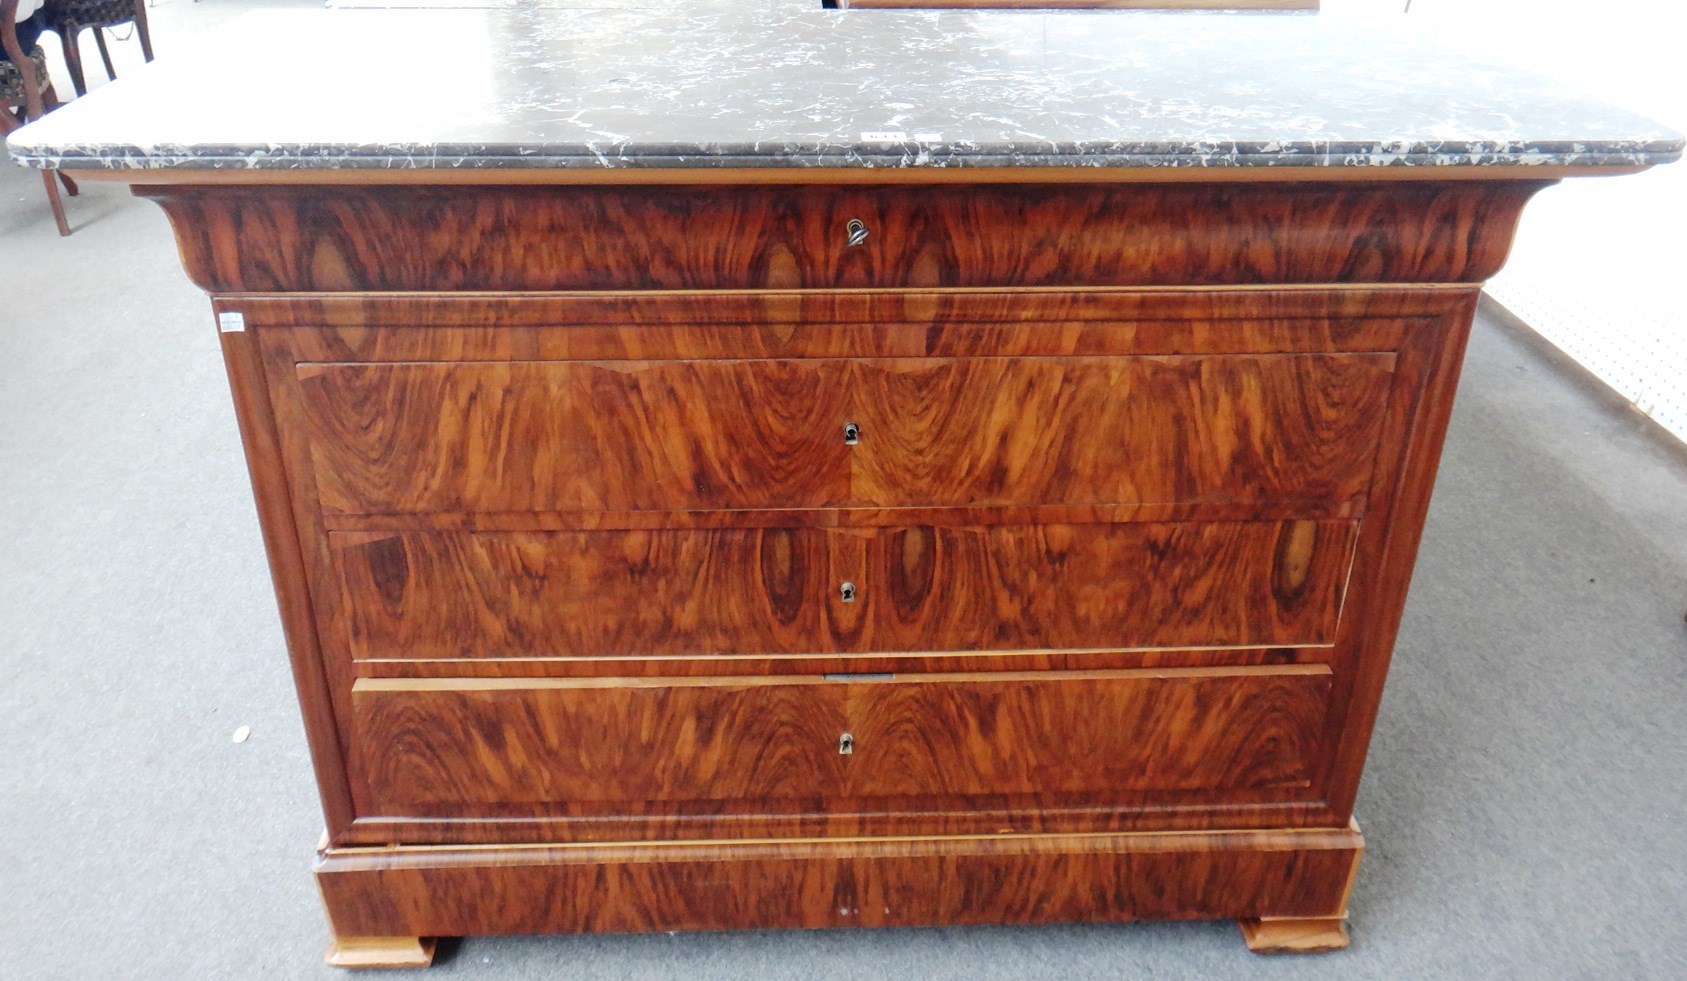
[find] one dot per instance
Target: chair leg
(49, 102)
(105, 53)
(73, 61)
(142, 28)
(53, 200)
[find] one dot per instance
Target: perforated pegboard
(1600, 265)
(1600, 271)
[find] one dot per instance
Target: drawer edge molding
(751, 681)
(1039, 878)
(614, 747)
(325, 238)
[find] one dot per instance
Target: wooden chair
(26, 92)
(69, 18)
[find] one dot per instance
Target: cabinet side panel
(1426, 376)
(287, 569)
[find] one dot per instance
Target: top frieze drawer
(628, 237)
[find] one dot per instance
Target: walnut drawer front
(449, 746)
(457, 594)
(368, 239)
(543, 436)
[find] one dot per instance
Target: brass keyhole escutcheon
(846, 745)
(857, 230)
(846, 592)
(852, 434)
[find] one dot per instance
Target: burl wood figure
(1038, 557)
(734, 524)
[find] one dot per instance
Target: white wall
(1600, 268)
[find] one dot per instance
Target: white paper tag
(883, 136)
(231, 323)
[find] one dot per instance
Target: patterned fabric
(70, 16)
(11, 80)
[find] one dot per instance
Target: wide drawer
(366, 239)
(543, 436)
(453, 746)
(439, 594)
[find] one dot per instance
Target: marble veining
(785, 84)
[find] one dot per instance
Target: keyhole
(857, 230)
(846, 745)
(852, 434)
(847, 591)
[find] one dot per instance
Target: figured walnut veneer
(362, 239)
(774, 590)
(806, 883)
(730, 434)
(560, 510)
(447, 748)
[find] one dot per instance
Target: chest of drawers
(800, 555)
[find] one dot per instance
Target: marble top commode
(791, 85)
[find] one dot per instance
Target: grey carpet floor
(1525, 803)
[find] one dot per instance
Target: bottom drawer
(458, 747)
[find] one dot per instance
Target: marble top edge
(785, 86)
(903, 156)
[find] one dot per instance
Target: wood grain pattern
(563, 436)
(374, 238)
(776, 590)
(877, 662)
(387, 952)
(438, 595)
(811, 884)
(1132, 585)
(1174, 413)
(316, 679)
(1294, 935)
(986, 322)
(450, 746)
(712, 324)
(1430, 364)
(855, 517)
(985, 431)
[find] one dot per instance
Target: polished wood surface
(390, 952)
(31, 98)
(722, 325)
(1294, 935)
(571, 436)
(446, 747)
(561, 517)
(810, 883)
(777, 590)
(377, 238)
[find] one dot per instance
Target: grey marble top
(785, 84)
